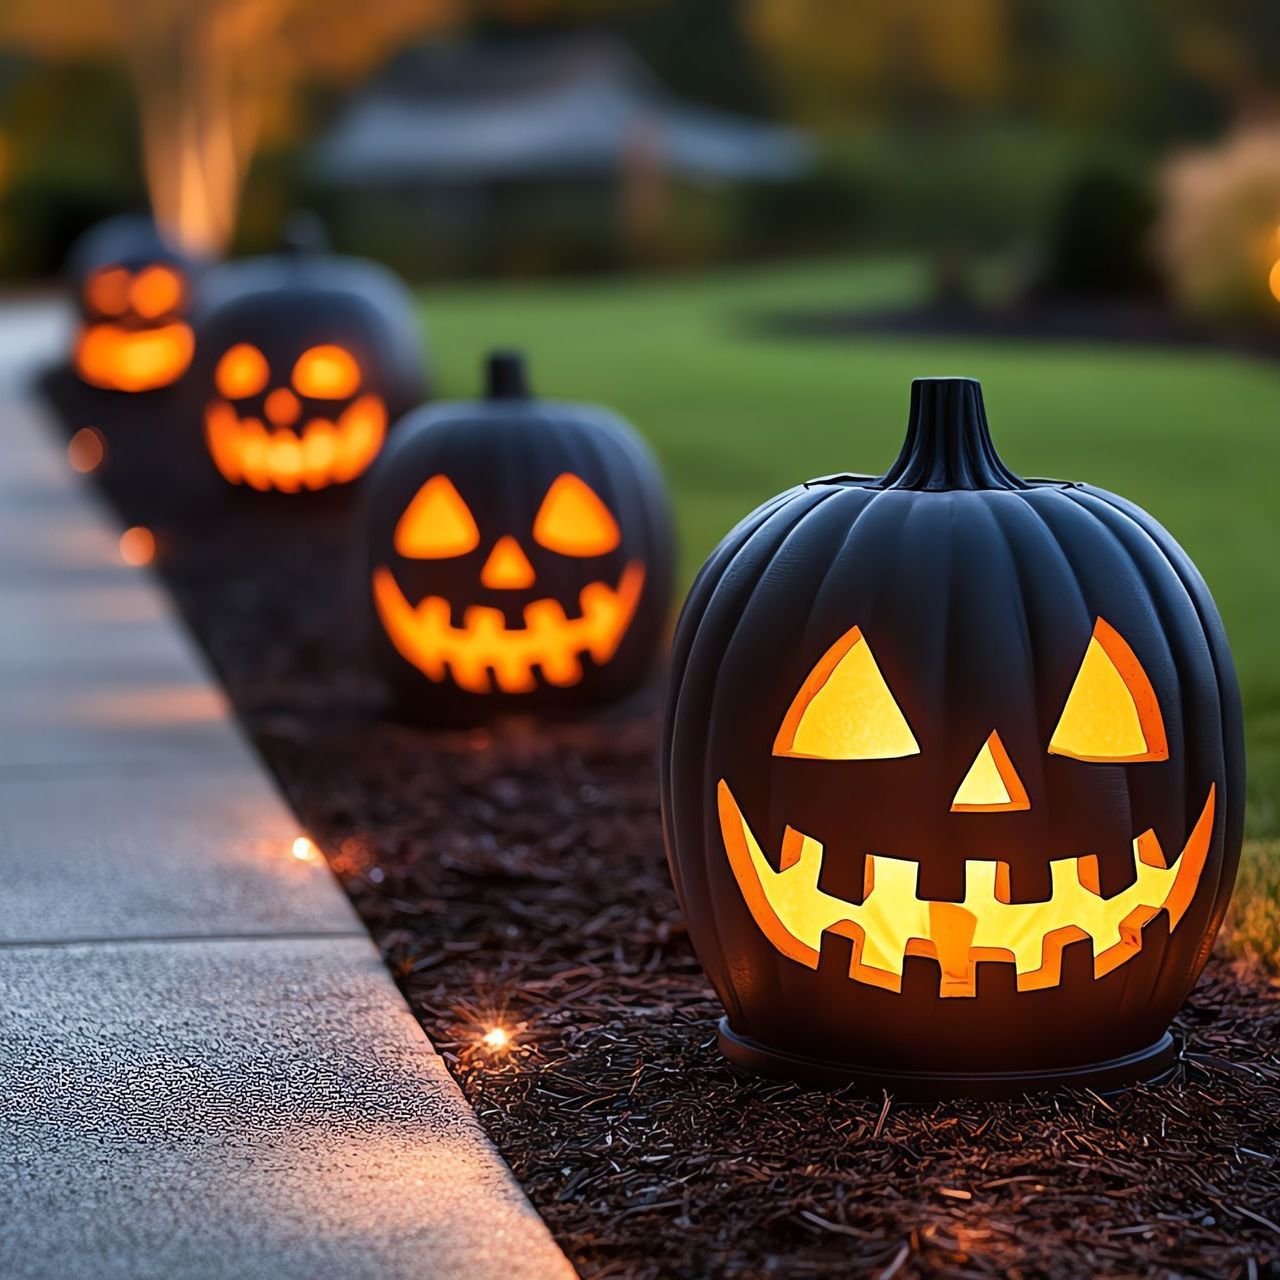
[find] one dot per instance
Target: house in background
(555, 153)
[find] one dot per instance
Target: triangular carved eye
(573, 521)
(437, 524)
(1111, 713)
(844, 710)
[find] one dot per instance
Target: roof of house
(548, 108)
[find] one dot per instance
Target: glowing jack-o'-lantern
(519, 555)
(133, 292)
(952, 774)
(304, 360)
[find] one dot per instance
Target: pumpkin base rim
(1108, 1076)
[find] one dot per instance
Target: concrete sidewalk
(206, 1068)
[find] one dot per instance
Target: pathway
(206, 1069)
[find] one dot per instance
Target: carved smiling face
(303, 360)
(846, 711)
(480, 652)
(307, 425)
(519, 555)
(135, 336)
(133, 291)
(952, 771)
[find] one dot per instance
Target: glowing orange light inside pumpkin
(844, 710)
(484, 650)
(241, 372)
(573, 521)
(321, 453)
(86, 450)
(137, 545)
(155, 291)
(107, 291)
(992, 784)
(892, 922)
(437, 524)
(282, 407)
(507, 566)
(326, 373)
(119, 359)
(1111, 712)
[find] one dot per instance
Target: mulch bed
(516, 878)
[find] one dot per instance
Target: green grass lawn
(1193, 437)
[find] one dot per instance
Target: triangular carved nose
(507, 566)
(992, 784)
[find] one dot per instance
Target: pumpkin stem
(304, 235)
(505, 376)
(948, 443)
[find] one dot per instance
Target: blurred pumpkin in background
(133, 293)
(304, 360)
(519, 555)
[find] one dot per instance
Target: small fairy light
(304, 849)
(496, 1039)
(86, 450)
(137, 545)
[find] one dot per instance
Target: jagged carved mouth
(891, 923)
(484, 650)
(119, 359)
(314, 456)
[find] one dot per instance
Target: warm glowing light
(1274, 280)
(573, 521)
(326, 373)
(425, 635)
(992, 784)
(892, 923)
(86, 450)
(844, 710)
(282, 407)
(1111, 712)
(156, 290)
(107, 291)
(321, 453)
(241, 372)
(304, 849)
(507, 566)
(137, 545)
(437, 524)
(496, 1038)
(118, 359)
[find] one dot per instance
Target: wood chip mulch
(516, 879)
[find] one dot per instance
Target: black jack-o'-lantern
(133, 293)
(519, 555)
(303, 361)
(952, 775)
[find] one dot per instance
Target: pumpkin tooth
(894, 921)
(319, 448)
(482, 645)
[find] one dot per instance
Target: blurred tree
(212, 78)
(838, 62)
(1149, 70)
